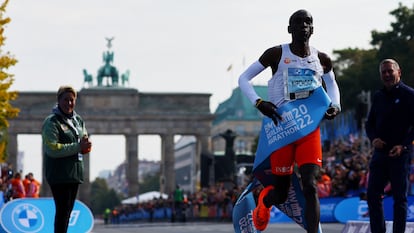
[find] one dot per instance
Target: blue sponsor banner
(37, 215)
(1, 199)
(389, 211)
(351, 209)
(354, 209)
(300, 118)
(327, 208)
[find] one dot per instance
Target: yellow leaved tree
(7, 111)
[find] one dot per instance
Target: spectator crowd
(13, 185)
(346, 167)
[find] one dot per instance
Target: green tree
(398, 42)
(358, 69)
(102, 197)
(7, 111)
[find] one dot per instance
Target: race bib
(300, 83)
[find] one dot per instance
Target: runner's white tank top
(277, 84)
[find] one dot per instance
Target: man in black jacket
(390, 128)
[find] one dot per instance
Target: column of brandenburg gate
(124, 111)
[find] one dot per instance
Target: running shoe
(261, 214)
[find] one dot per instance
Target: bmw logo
(27, 218)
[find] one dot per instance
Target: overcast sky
(168, 46)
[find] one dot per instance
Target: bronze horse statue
(125, 78)
(108, 70)
(87, 77)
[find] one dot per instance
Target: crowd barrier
(28, 214)
(332, 210)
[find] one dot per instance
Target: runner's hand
(268, 109)
(332, 112)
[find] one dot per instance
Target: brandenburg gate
(114, 109)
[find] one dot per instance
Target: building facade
(239, 115)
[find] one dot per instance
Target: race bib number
(300, 83)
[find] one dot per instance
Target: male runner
(306, 152)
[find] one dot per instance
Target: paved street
(202, 227)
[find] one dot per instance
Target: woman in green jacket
(64, 142)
